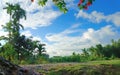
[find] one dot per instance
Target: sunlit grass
(108, 62)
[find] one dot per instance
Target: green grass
(107, 62)
(104, 67)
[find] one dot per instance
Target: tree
(17, 44)
(99, 50)
(13, 26)
(116, 48)
(30, 47)
(37, 46)
(7, 51)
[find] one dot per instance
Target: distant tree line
(98, 52)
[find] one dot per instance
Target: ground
(106, 67)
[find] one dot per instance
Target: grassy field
(106, 67)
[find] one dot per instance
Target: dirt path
(49, 66)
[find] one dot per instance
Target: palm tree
(13, 26)
(16, 13)
(9, 9)
(8, 26)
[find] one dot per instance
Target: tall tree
(13, 26)
(24, 47)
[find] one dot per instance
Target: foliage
(18, 46)
(61, 4)
(13, 26)
(108, 51)
(7, 51)
(98, 52)
(72, 58)
(84, 4)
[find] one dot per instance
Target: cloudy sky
(64, 34)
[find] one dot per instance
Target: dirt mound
(8, 68)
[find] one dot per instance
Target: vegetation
(99, 52)
(104, 67)
(19, 48)
(61, 4)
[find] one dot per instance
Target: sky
(64, 34)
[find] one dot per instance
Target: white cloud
(63, 44)
(36, 38)
(40, 19)
(75, 26)
(94, 16)
(102, 35)
(38, 16)
(97, 17)
(26, 33)
(114, 18)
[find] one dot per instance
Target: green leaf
(81, 7)
(61, 5)
(42, 2)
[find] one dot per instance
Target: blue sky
(64, 34)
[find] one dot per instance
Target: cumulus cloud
(97, 17)
(63, 44)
